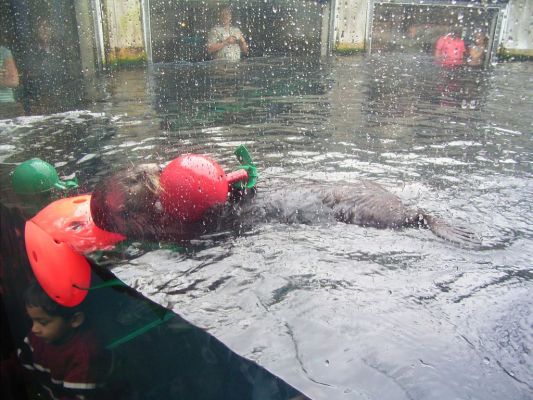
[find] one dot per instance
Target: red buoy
(63, 273)
(191, 184)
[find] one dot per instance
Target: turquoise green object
(143, 329)
(37, 176)
(244, 157)
(167, 315)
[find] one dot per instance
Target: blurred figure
(9, 79)
(45, 69)
(477, 49)
(450, 49)
(226, 42)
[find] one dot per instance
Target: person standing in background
(226, 42)
(9, 79)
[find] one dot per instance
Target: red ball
(191, 184)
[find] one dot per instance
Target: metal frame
(326, 38)
(96, 8)
(369, 25)
(147, 30)
(499, 26)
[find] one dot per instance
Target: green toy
(37, 176)
(244, 157)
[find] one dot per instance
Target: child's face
(51, 329)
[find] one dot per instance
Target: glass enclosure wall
(411, 27)
(179, 29)
(43, 39)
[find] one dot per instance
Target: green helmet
(37, 176)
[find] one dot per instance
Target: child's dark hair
(35, 296)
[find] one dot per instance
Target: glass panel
(416, 28)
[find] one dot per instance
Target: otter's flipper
(456, 234)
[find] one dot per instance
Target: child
(477, 50)
(128, 203)
(60, 354)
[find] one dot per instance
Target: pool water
(338, 311)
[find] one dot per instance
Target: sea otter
(128, 203)
(362, 203)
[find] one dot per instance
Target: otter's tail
(456, 234)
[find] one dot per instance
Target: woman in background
(9, 79)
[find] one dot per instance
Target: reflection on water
(251, 93)
(339, 311)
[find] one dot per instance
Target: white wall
(124, 29)
(350, 24)
(518, 33)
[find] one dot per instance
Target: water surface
(339, 311)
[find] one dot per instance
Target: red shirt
(449, 51)
(72, 370)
